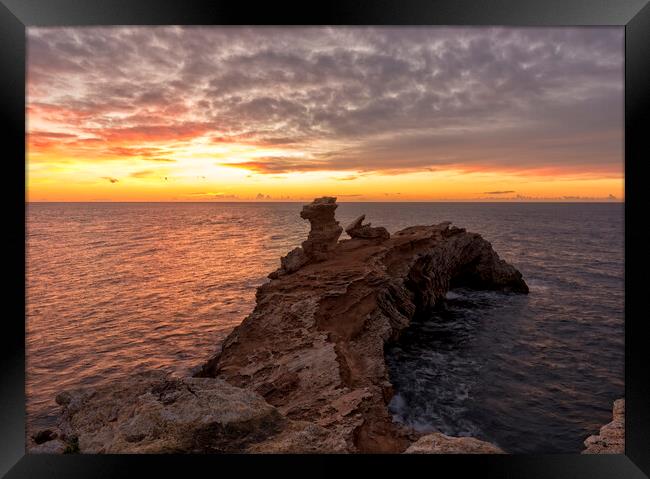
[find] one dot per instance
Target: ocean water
(117, 287)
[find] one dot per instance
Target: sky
(289, 114)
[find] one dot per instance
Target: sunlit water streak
(113, 288)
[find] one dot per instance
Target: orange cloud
(442, 113)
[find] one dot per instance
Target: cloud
(144, 174)
(348, 178)
(112, 180)
(277, 164)
(360, 99)
(499, 192)
(50, 135)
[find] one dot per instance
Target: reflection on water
(116, 287)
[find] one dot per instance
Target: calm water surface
(113, 288)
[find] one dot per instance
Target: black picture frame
(16, 15)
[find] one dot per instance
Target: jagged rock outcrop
(314, 344)
(611, 439)
(325, 230)
(358, 230)
(323, 236)
(293, 261)
(153, 412)
(438, 443)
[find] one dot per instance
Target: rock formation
(314, 344)
(305, 371)
(437, 443)
(325, 230)
(611, 439)
(152, 412)
(358, 230)
(323, 235)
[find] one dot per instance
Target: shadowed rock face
(314, 345)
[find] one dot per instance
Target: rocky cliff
(314, 345)
(305, 370)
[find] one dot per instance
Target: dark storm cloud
(389, 99)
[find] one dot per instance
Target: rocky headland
(305, 371)
(314, 345)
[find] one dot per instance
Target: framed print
(369, 235)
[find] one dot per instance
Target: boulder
(358, 230)
(153, 412)
(294, 260)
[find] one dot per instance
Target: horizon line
(622, 201)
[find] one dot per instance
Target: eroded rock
(358, 230)
(314, 345)
(301, 437)
(611, 439)
(325, 230)
(438, 443)
(294, 260)
(55, 446)
(322, 238)
(155, 413)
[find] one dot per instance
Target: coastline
(328, 310)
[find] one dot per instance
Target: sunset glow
(288, 114)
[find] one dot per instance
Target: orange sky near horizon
(127, 114)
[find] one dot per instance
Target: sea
(114, 288)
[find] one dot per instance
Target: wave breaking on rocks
(305, 370)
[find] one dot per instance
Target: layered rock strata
(323, 235)
(314, 344)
